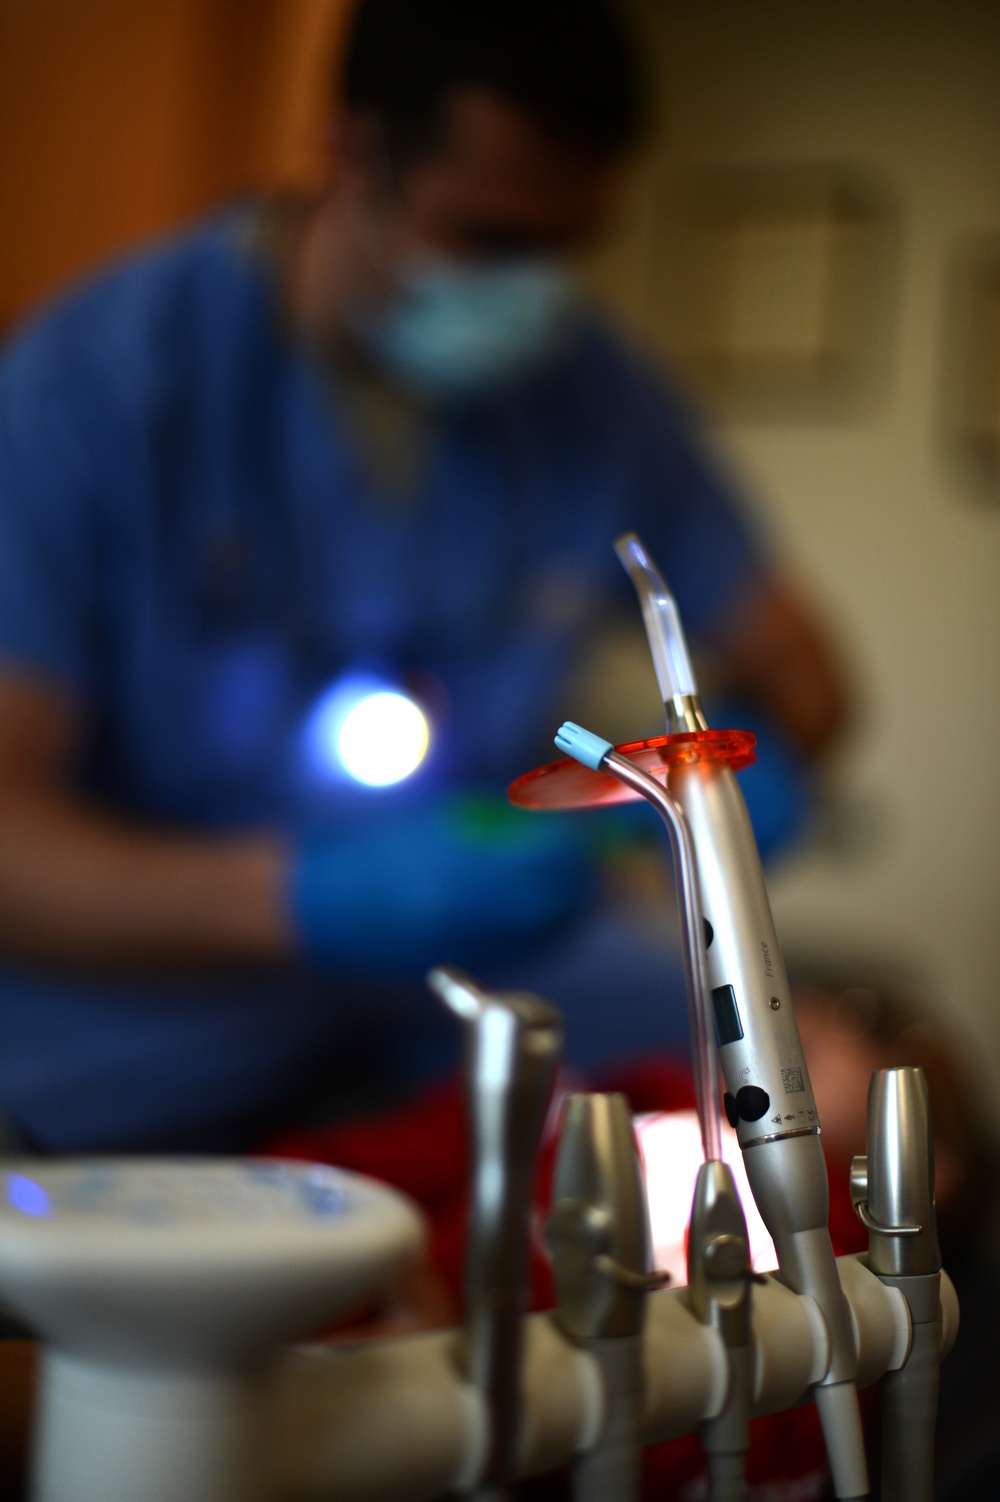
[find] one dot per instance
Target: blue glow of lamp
(372, 733)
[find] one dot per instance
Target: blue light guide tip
(583, 745)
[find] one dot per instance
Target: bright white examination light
(363, 729)
(383, 738)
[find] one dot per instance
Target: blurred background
(812, 239)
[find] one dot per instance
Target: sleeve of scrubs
(46, 543)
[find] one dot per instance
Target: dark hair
(570, 63)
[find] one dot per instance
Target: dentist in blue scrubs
(303, 453)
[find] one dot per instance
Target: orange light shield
(568, 784)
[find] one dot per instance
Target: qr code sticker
(792, 1081)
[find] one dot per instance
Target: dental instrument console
(169, 1293)
(689, 775)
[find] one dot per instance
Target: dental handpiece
(599, 1239)
(768, 1098)
(893, 1193)
(513, 1043)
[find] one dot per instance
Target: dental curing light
(768, 1094)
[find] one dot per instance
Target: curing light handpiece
(769, 1098)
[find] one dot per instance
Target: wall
(121, 118)
(869, 510)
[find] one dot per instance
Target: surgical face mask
(453, 330)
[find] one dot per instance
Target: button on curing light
(374, 734)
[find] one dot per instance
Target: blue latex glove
(467, 881)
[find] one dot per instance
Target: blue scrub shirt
(189, 542)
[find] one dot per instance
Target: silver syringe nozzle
(671, 659)
(469, 1000)
(899, 1208)
(893, 1190)
(513, 1041)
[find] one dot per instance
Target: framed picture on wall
(777, 286)
(972, 366)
